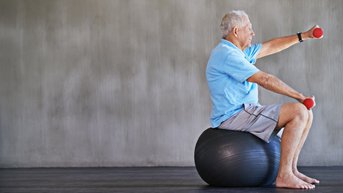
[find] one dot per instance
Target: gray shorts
(261, 121)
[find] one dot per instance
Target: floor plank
(142, 179)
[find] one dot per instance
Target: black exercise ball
(234, 158)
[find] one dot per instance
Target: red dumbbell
(309, 103)
(318, 32)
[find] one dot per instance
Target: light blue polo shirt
(227, 72)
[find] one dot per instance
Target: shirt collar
(230, 44)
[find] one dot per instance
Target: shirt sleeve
(238, 67)
(252, 52)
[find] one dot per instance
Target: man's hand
(310, 33)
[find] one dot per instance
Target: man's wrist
(305, 35)
(301, 97)
(302, 36)
(300, 39)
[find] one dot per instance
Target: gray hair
(232, 19)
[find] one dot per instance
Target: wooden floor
(150, 180)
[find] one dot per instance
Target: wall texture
(122, 82)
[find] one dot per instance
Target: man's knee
(300, 112)
(291, 112)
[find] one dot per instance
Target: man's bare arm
(278, 44)
(274, 84)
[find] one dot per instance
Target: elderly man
(233, 81)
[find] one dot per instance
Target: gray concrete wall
(122, 82)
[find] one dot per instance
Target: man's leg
(293, 117)
(297, 152)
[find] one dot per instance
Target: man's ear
(235, 31)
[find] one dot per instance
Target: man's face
(245, 34)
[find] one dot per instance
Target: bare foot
(291, 181)
(305, 178)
